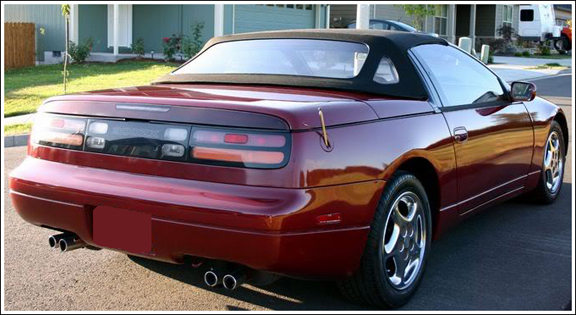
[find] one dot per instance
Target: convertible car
(314, 154)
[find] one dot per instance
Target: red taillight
(235, 138)
(249, 149)
(58, 131)
(249, 139)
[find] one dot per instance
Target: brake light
(59, 131)
(240, 148)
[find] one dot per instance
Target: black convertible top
(392, 44)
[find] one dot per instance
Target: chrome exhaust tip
(54, 240)
(230, 282)
(234, 280)
(211, 279)
(71, 243)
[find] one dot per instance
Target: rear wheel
(552, 173)
(562, 45)
(397, 246)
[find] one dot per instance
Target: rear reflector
(239, 156)
(332, 218)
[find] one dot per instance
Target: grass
(17, 129)
(552, 65)
(547, 56)
(26, 88)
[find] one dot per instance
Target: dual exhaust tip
(230, 281)
(66, 242)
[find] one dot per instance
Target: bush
(80, 52)
(192, 44)
(545, 50)
(518, 54)
(172, 45)
(526, 53)
(507, 32)
(138, 47)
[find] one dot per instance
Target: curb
(16, 141)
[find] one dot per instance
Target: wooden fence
(19, 45)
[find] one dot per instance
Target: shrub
(172, 45)
(138, 47)
(507, 32)
(80, 52)
(518, 54)
(192, 44)
(544, 50)
(526, 53)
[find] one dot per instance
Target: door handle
(460, 134)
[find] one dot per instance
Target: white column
(328, 15)
(363, 16)
(218, 20)
(116, 28)
(472, 24)
(318, 11)
(452, 23)
(74, 23)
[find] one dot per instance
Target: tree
(418, 12)
(66, 14)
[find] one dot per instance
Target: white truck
(538, 23)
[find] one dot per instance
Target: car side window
(458, 77)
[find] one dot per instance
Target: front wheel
(397, 247)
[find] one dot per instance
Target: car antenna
(324, 133)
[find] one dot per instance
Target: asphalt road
(516, 256)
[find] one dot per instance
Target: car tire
(549, 187)
(376, 281)
(562, 45)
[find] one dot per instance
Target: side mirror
(523, 91)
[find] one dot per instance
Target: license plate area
(122, 229)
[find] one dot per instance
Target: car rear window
(299, 57)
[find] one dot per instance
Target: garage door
(260, 17)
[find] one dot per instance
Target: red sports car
(317, 154)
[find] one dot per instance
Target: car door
(493, 137)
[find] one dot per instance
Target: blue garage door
(260, 17)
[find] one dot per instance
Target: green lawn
(26, 88)
(17, 129)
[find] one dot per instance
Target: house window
(441, 19)
(507, 15)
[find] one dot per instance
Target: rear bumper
(271, 229)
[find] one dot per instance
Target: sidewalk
(519, 68)
(22, 119)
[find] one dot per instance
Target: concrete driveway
(516, 256)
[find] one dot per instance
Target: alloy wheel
(404, 242)
(553, 163)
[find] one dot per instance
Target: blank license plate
(122, 229)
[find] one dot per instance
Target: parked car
(316, 154)
(390, 25)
